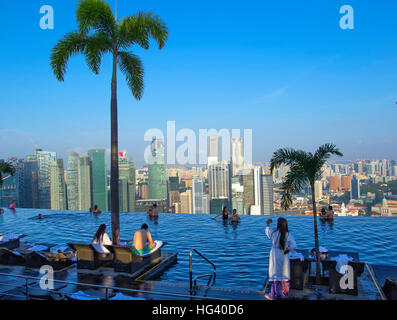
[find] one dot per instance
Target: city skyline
(330, 85)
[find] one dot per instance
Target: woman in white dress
(101, 239)
(279, 266)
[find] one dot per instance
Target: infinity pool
(240, 252)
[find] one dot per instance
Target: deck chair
(11, 258)
(335, 277)
(126, 260)
(10, 241)
(88, 257)
(56, 260)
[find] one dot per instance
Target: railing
(27, 293)
(193, 282)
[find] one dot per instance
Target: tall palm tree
(100, 33)
(6, 168)
(304, 167)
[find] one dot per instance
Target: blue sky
(284, 69)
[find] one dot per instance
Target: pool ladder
(193, 282)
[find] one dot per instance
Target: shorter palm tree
(304, 167)
(6, 168)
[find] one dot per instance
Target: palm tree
(100, 33)
(6, 167)
(304, 167)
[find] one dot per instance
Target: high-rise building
(30, 183)
(318, 189)
(217, 205)
(214, 150)
(72, 181)
(127, 173)
(143, 190)
(84, 182)
(333, 183)
(57, 185)
(157, 171)
(355, 188)
(249, 197)
(237, 191)
(346, 182)
(44, 158)
(256, 208)
(98, 178)
(186, 201)
(206, 203)
(197, 195)
(237, 156)
(267, 193)
(218, 180)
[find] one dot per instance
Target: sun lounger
(57, 261)
(298, 267)
(10, 240)
(88, 257)
(126, 260)
(12, 258)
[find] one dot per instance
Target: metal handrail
(211, 276)
(107, 288)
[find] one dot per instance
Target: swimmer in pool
(224, 214)
(12, 205)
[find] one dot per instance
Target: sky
(284, 69)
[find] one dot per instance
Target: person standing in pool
(330, 213)
(224, 214)
(235, 217)
(12, 205)
(143, 242)
(96, 210)
(279, 266)
(155, 211)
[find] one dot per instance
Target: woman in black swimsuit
(224, 214)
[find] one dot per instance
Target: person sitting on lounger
(143, 242)
(101, 238)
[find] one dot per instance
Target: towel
(296, 255)
(342, 260)
(38, 247)
(9, 236)
(120, 296)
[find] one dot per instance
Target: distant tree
(6, 168)
(100, 33)
(304, 167)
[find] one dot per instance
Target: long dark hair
(101, 231)
(282, 227)
(224, 209)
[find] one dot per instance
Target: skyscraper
(318, 189)
(355, 188)
(30, 182)
(44, 158)
(214, 150)
(267, 193)
(57, 185)
(98, 178)
(256, 208)
(157, 171)
(218, 180)
(72, 181)
(84, 181)
(249, 198)
(334, 183)
(127, 183)
(346, 182)
(198, 193)
(186, 201)
(237, 195)
(237, 156)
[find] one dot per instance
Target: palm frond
(288, 157)
(294, 181)
(97, 15)
(96, 46)
(132, 68)
(71, 44)
(140, 28)
(6, 167)
(322, 154)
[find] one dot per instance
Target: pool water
(240, 252)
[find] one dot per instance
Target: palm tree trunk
(318, 275)
(114, 164)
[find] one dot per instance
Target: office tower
(72, 181)
(333, 183)
(217, 205)
(249, 198)
(267, 193)
(214, 150)
(206, 203)
(218, 180)
(173, 183)
(84, 182)
(157, 171)
(57, 185)
(256, 208)
(143, 190)
(237, 191)
(98, 178)
(44, 158)
(186, 201)
(197, 194)
(237, 156)
(355, 188)
(127, 173)
(30, 182)
(318, 189)
(394, 171)
(346, 182)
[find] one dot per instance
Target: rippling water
(240, 252)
